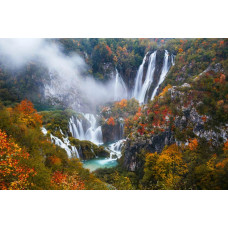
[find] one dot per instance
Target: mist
(67, 73)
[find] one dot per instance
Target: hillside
(140, 113)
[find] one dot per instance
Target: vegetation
(30, 161)
(192, 108)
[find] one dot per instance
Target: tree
(165, 170)
(13, 173)
(193, 144)
(28, 114)
(61, 181)
(111, 121)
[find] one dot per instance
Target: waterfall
(120, 89)
(73, 127)
(165, 69)
(115, 148)
(149, 77)
(138, 80)
(172, 60)
(93, 133)
(74, 149)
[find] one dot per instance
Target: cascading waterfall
(120, 89)
(65, 144)
(138, 80)
(141, 88)
(149, 78)
(93, 133)
(165, 69)
(115, 149)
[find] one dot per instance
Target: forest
(135, 114)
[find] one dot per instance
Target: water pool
(97, 163)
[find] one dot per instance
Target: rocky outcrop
(187, 124)
(112, 133)
(88, 150)
(132, 159)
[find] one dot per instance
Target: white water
(115, 149)
(138, 80)
(172, 60)
(93, 133)
(165, 69)
(149, 78)
(120, 89)
(65, 144)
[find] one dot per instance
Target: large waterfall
(165, 69)
(141, 88)
(138, 79)
(91, 133)
(86, 126)
(120, 89)
(149, 77)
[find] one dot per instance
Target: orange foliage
(115, 59)
(141, 129)
(222, 78)
(180, 50)
(66, 182)
(28, 114)
(193, 144)
(165, 90)
(122, 103)
(216, 80)
(225, 148)
(55, 160)
(109, 50)
(204, 118)
(166, 168)
(138, 114)
(111, 121)
(221, 43)
(13, 174)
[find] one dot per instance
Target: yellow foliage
(165, 90)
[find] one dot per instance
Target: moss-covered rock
(88, 150)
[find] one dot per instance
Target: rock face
(132, 151)
(188, 123)
(128, 76)
(112, 133)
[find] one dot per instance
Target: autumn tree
(111, 121)
(165, 170)
(13, 173)
(28, 114)
(61, 181)
(193, 143)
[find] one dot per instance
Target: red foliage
(67, 182)
(180, 50)
(55, 160)
(141, 129)
(221, 43)
(28, 114)
(122, 103)
(193, 144)
(109, 50)
(13, 174)
(111, 121)
(204, 118)
(222, 78)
